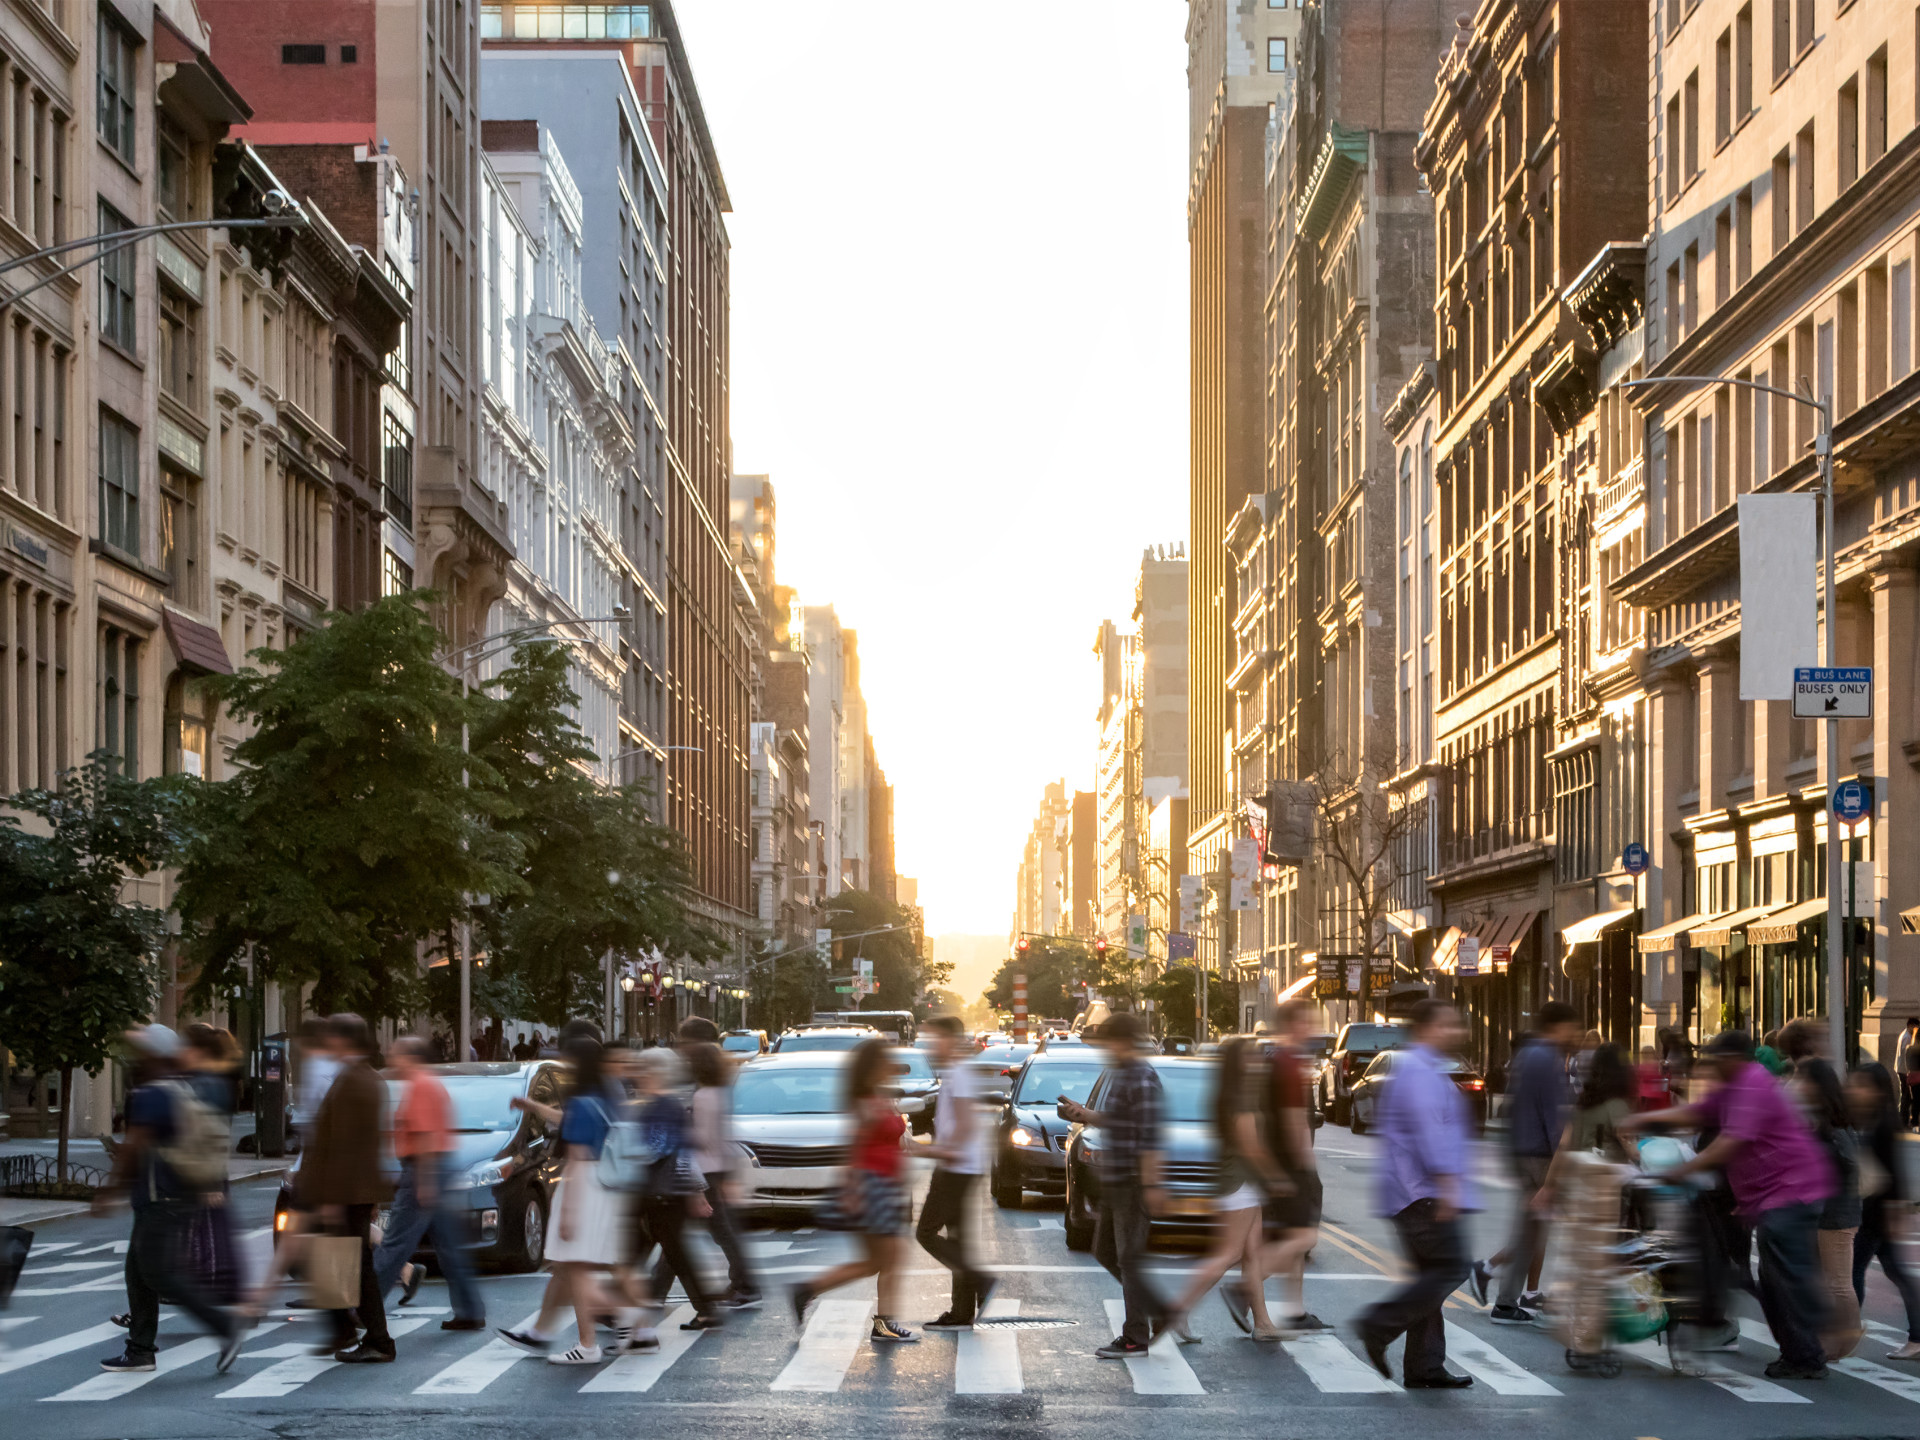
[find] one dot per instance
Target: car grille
(1190, 1173)
(790, 1156)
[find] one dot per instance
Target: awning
(1784, 928)
(198, 646)
(1585, 932)
(1448, 950)
(1406, 922)
(1509, 929)
(1667, 937)
(1295, 988)
(1910, 921)
(1721, 929)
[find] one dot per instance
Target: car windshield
(1000, 1056)
(801, 1040)
(740, 1042)
(1375, 1037)
(1042, 1084)
(916, 1065)
(1189, 1092)
(480, 1101)
(790, 1090)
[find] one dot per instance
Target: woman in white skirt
(1239, 1190)
(589, 1220)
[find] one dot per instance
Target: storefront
(1491, 968)
(1603, 973)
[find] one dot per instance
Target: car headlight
(490, 1173)
(1023, 1136)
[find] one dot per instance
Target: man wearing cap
(163, 1208)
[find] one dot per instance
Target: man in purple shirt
(1425, 1182)
(1780, 1177)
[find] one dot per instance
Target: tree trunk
(66, 1120)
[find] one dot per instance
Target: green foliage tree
(902, 970)
(1172, 996)
(1055, 966)
(346, 841)
(597, 872)
(785, 987)
(77, 957)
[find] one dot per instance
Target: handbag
(626, 1160)
(333, 1271)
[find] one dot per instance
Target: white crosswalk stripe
(987, 1362)
(48, 1349)
(1894, 1382)
(1163, 1370)
(834, 1334)
(474, 1372)
(634, 1374)
(1744, 1387)
(10, 1322)
(1488, 1366)
(174, 1357)
(297, 1364)
(1334, 1369)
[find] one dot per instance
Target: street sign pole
(1836, 958)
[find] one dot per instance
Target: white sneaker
(578, 1355)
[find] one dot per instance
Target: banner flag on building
(1778, 625)
(1136, 937)
(1189, 903)
(1179, 947)
(1244, 870)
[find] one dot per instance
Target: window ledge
(120, 160)
(129, 562)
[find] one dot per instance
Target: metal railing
(38, 1177)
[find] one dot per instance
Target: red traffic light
(1100, 945)
(1022, 945)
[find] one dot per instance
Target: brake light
(280, 1221)
(1473, 1085)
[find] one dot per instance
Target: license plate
(1189, 1205)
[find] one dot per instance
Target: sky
(959, 328)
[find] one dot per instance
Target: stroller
(1633, 1241)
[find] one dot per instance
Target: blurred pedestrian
(873, 1199)
(716, 1157)
(1539, 1092)
(1129, 1159)
(314, 1045)
(1593, 1126)
(1292, 1211)
(961, 1149)
(590, 1218)
(1885, 1206)
(522, 1050)
(342, 1181)
(170, 1160)
(1651, 1088)
(1244, 1174)
(1767, 1053)
(1425, 1185)
(696, 1030)
(1906, 1064)
(1821, 1096)
(212, 1071)
(676, 1187)
(423, 1144)
(1781, 1180)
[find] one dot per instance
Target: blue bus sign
(1635, 860)
(1852, 800)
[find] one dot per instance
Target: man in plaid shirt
(1129, 1163)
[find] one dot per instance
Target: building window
(115, 117)
(1276, 54)
(349, 54)
(119, 484)
(117, 283)
(189, 728)
(118, 698)
(397, 471)
(175, 169)
(303, 54)
(179, 346)
(180, 535)
(399, 363)
(397, 578)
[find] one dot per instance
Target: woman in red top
(873, 1197)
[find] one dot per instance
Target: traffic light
(1100, 947)
(1022, 945)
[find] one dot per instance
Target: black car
(1189, 1162)
(505, 1163)
(1353, 1050)
(1364, 1103)
(1029, 1140)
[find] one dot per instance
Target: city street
(759, 1378)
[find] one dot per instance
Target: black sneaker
(1510, 1315)
(411, 1288)
(704, 1322)
(1785, 1370)
(526, 1340)
(743, 1300)
(890, 1332)
(128, 1363)
(367, 1353)
(1121, 1348)
(1479, 1281)
(947, 1322)
(1303, 1324)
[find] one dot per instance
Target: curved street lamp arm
(293, 218)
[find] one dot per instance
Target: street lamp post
(1823, 451)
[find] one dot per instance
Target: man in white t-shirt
(960, 1154)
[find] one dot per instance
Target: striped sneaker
(889, 1332)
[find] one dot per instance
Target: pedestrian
(1130, 1195)
(1606, 1098)
(1539, 1092)
(675, 1189)
(960, 1150)
(590, 1217)
(1781, 1180)
(715, 1156)
(212, 1072)
(1244, 1174)
(1651, 1089)
(873, 1199)
(521, 1050)
(1885, 1204)
(1824, 1100)
(1906, 1064)
(696, 1030)
(314, 1045)
(1292, 1211)
(423, 1144)
(172, 1154)
(1425, 1185)
(1767, 1054)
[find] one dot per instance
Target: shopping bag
(333, 1272)
(15, 1242)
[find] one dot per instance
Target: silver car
(791, 1123)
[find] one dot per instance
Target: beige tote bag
(333, 1272)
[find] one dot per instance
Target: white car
(790, 1121)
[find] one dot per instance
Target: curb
(67, 1209)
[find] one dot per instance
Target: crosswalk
(1016, 1350)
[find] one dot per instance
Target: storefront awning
(1721, 929)
(1784, 928)
(1667, 937)
(1585, 932)
(1508, 927)
(1407, 922)
(1296, 988)
(1447, 952)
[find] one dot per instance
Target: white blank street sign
(1822, 692)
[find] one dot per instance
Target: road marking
(35, 1271)
(1163, 1370)
(761, 1249)
(1334, 1369)
(39, 1249)
(1490, 1367)
(59, 1345)
(1047, 1222)
(118, 1247)
(478, 1369)
(11, 1322)
(1894, 1382)
(827, 1346)
(632, 1374)
(105, 1282)
(178, 1357)
(988, 1362)
(1743, 1387)
(295, 1369)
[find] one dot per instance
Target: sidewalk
(90, 1152)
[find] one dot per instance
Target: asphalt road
(761, 1378)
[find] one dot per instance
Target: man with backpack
(174, 1156)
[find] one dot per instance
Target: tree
(348, 841)
(1363, 837)
(1055, 967)
(902, 973)
(77, 958)
(785, 987)
(1172, 995)
(597, 873)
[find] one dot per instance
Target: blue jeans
(408, 1220)
(1791, 1291)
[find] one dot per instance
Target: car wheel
(533, 1236)
(1008, 1196)
(1078, 1221)
(1343, 1111)
(1359, 1124)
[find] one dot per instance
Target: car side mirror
(1315, 1119)
(997, 1097)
